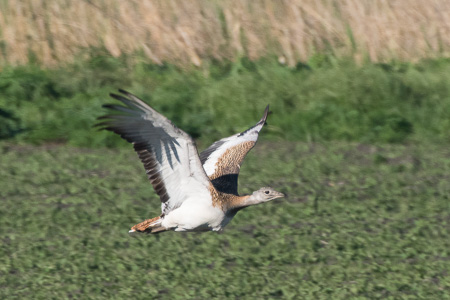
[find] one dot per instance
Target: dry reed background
(187, 32)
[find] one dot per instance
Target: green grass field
(360, 221)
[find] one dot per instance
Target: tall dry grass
(187, 32)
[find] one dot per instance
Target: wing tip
(122, 97)
(109, 105)
(264, 117)
(122, 91)
(115, 96)
(262, 121)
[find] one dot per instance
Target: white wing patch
(168, 153)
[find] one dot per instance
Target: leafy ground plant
(360, 221)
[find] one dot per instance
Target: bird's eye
(267, 192)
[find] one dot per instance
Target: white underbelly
(194, 216)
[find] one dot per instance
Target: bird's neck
(244, 201)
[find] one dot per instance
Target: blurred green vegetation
(323, 99)
(359, 222)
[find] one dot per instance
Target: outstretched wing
(169, 154)
(223, 159)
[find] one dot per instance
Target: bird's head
(266, 194)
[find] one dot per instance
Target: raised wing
(223, 159)
(169, 155)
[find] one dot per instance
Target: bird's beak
(279, 195)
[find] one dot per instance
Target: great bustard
(198, 193)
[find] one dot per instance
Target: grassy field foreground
(360, 221)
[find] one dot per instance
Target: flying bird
(197, 192)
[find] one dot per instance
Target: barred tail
(148, 226)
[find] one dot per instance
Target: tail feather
(148, 226)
